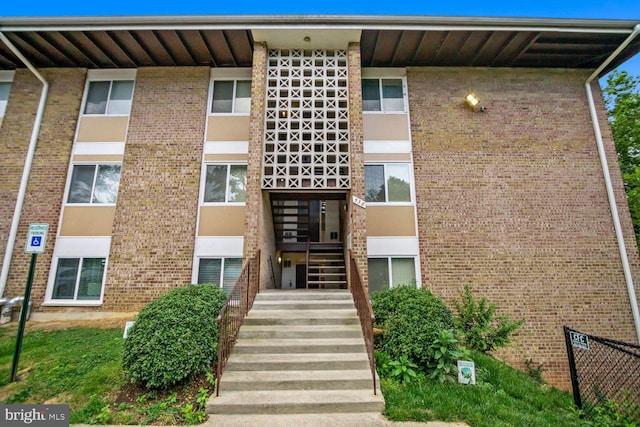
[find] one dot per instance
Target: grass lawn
(506, 397)
(81, 366)
(77, 366)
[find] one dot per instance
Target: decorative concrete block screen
(306, 136)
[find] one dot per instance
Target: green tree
(622, 98)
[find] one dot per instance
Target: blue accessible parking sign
(36, 238)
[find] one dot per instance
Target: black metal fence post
(572, 368)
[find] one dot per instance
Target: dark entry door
(314, 221)
(301, 276)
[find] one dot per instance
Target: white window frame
(6, 77)
(77, 247)
(411, 186)
(390, 270)
(222, 266)
(373, 74)
(77, 281)
(110, 76)
(233, 111)
(203, 181)
(95, 176)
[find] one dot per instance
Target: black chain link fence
(604, 372)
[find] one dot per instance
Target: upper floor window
(382, 95)
(79, 279)
(231, 96)
(94, 184)
(225, 183)
(5, 88)
(389, 182)
(109, 97)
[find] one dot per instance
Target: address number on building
(579, 340)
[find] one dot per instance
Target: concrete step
(295, 402)
(303, 305)
(303, 313)
(288, 332)
(296, 380)
(262, 319)
(360, 419)
(332, 345)
(297, 362)
(302, 295)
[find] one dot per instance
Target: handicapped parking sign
(36, 238)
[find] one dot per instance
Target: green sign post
(36, 241)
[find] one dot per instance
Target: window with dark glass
(79, 279)
(382, 95)
(390, 272)
(231, 96)
(222, 272)
(225, 183)
(387, 183)
(109, 97)
(94, 184)
(5, 88)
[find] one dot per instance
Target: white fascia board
(392, 246)
(219, 246)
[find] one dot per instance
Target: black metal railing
(365, 313)
(604, 372)
(232, 314)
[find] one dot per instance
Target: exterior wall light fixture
(474, 103)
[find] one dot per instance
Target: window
(387, 183)
(5, 88)
(223, 272)
(79, 279)
(390, 272)
(382, 95)
(231, 96)
(225, 183)
(109, 97)
(94, 184)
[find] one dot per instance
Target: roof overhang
(386, 41)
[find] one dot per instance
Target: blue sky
(589, 9)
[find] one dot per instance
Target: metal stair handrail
(365, 313)
(233, 312)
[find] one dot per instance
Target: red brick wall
(47, 180)
(155, 220)
(258, 235)
(358, 216)
(513, 203)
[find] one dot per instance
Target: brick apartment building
(168, 149)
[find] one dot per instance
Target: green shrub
(446, 351)
(174, 337)
(482, 330)
(410, 320)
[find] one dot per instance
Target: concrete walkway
(364, 419)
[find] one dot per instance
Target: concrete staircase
(298, 352)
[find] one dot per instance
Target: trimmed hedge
(174, 337)
(410, 319)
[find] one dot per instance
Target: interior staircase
(326, 267)
(298, 352)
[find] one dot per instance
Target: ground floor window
(388, 272)
(222, 272)
(79, 279)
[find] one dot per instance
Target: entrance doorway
(308, 232)
(301, 276)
